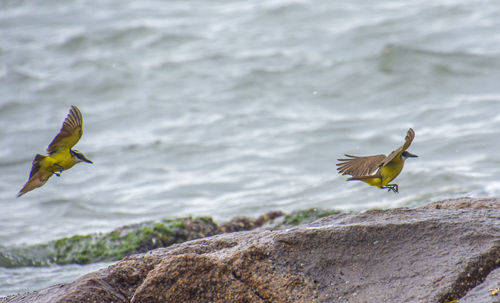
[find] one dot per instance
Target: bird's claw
(392, 187)
(61, 168)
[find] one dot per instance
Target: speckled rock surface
(429, 254)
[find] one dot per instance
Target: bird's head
(79, 157)
(407, 154)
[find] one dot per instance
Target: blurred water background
(226, 108)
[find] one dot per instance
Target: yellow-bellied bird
(61, 156)
(387, 167)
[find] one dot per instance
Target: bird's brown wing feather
(37, 177)
(410, 135)
(359, 166)
(35, 166)
(70, 133)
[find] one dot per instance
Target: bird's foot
(393, 187)
(61, 168)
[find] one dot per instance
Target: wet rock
(269, 218)
(238, 224)
(428, 254)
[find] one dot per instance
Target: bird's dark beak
(88, 161)
(410, 155)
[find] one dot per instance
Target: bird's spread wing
(359, 166)
(70, 132)
(409, 138)
(36, 164)
(37, 177)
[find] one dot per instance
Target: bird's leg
(389, 187)
(393, 187)
(61, 168)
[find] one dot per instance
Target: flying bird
(60, 155)
(387, 167)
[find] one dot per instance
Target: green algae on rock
(83, 249)
(137, 238)
(131, 239)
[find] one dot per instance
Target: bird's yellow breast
(391, 170)
(55, 161)
(388, 172)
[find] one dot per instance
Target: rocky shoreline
(445, 251)
(143, 237)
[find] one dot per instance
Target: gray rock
(436, 253)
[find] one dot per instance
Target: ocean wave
(405, 59)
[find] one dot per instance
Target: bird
(387, 167)
(60, 155)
